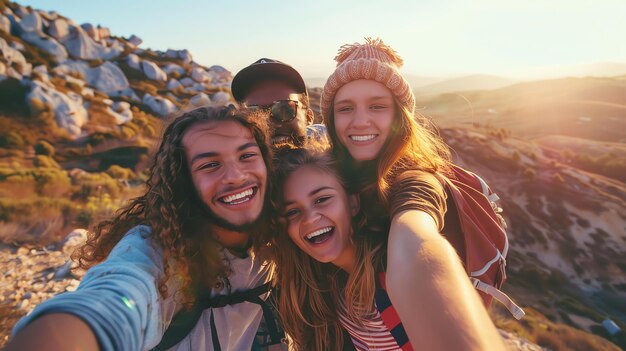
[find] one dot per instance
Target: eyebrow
(315, 191)
(213, 153)
(369, 99)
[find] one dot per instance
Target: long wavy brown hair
(171, 208)
(413, 143)
(309, 290)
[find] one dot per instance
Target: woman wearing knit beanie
(391, 156)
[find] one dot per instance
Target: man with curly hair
(199, 230)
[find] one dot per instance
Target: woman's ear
(355, 204)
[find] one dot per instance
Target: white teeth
(319, 232)
(232, 198)
(362, 137)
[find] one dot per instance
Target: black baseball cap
(265, 69)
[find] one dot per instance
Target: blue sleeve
(119, 298)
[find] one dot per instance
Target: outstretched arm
(439, 308)
(55, 332)
(117, 303)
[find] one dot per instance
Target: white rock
(185, 55)
(78, 82)
(104, 32)
(187, 82)
(48, 44)
(93, 32)
(172, 84)
(79, 44)
(14, 59)
(135, 40)
(161, 106)
(200, 75)
(123, 108)
(171, 53)
(59, 29)
(72, 240)
(5, 24)
(220, 74)
(31, 23)
(220, 98)
(134, 62)
(198, 87)
(201, 99)
(126, 92)
(152, 71)
(22, 11)
(172, 67)
(68, 109)
(107, 77)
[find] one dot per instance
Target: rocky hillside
(81, 110)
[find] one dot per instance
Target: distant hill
(590, 108)
(473, 82)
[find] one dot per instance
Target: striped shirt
(372, 335)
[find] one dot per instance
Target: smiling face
(363, 113)
(264, 94)
(228, 172)
(319, 215)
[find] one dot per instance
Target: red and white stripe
(371, 335)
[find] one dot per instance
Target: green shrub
(11, 140)
(45, 148)
(119, 172)
(13, 97)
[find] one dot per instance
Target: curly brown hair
(170, 208)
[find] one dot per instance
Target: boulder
(185, 55)
(152, 71)
(5, 24)
(220, 98)
(159, 105)
(173, 84)
(107, 77)
(69, 112)
(92, 30)
(135, 40)
(79, 44)
(14, 59)
(200, 75)
(104, 32)
(126, 92)
(134, 62)
(171, 53)
(201, 99)
(187, 82)
(48, 44)
(42, 72)
(31, 23)
(22, 11)
(220, 74)
(123, 111)
(172, 67)
(74, 239)
(59, 29)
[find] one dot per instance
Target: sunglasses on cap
(281, 110)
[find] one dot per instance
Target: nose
(360, 120)
(311, 216)
(233, 174)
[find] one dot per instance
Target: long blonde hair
(413, 143)
(309, 290)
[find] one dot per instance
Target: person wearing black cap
(278, 87)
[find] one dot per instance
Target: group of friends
(332, 236)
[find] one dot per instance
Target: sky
(434, 37)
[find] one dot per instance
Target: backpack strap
(503, 298)
(184, 321)
(389, 315)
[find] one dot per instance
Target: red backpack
(484, 236)
(485, 247)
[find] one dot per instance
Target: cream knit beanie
(373, 60)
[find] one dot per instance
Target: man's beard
(221, 222)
